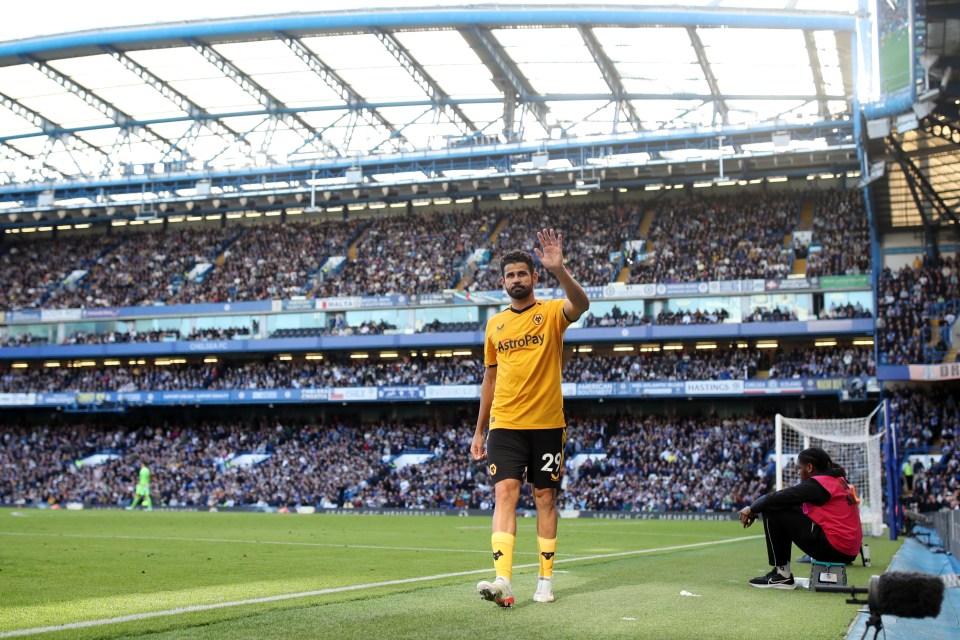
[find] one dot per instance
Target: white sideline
(306, 594)
(234, 541)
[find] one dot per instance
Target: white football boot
(544, 592)
(498, 591)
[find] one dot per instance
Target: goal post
(853, 443)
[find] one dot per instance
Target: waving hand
(552, 254)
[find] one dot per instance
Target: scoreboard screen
(894, 26)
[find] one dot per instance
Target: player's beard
(519, 292)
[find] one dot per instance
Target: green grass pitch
(894, 63)
(246, 575)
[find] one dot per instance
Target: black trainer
(774, 580)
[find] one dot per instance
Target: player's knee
(507, 491)
(545, 498)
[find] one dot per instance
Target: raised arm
(551, 257)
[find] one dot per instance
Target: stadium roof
(227, 96)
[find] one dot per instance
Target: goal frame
(817, 433)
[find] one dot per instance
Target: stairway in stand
(642, 232)
(644, 229)
(491, 242)
(805, 224)
(934, 324)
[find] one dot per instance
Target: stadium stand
(647, 465)
(912, 312)
(841, 235)
(403, 256)
(337, 370)
(671, 464)
(143, 268)
(30, 270)
(617, 462)
(927, 420)
(592, 234)
(273, 261)
(243, 261)
(720, 238)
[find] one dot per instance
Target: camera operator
(820, 515)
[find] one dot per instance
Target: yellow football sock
(502, 544)
(547, 548)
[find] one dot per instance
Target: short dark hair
(821, 462)
(514, 257)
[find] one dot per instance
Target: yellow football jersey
(527, 349)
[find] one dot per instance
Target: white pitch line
(233, 541)
(356, 587)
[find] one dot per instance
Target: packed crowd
(338, 327)
(272, 262)
(25, 340)
(615, 318)
(340, 371)
(165, 335)
(927, 420)
(824, 362)
(661, 463)
(691, 239)
(237, 375)
(925, 417)
(845, 311)
(191, 463)
(736, 237)
(906, 300)
(651, 464)
(29, 270)
(762, 314)
(841, 229)
(736, 364)
(590, 234)
(667, 317)
(619, 462)
(721, 364)
(400, 256)
(143, 268)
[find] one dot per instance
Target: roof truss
(425, 82)
(522, 98)
(611, 77)
(273, 106)
(348, 94)
(516, 89)
(719, 103)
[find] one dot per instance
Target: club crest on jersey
(538, 319)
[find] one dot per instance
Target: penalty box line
(135, 617)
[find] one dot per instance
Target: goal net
(853, 443)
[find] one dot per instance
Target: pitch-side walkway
(924, 557)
